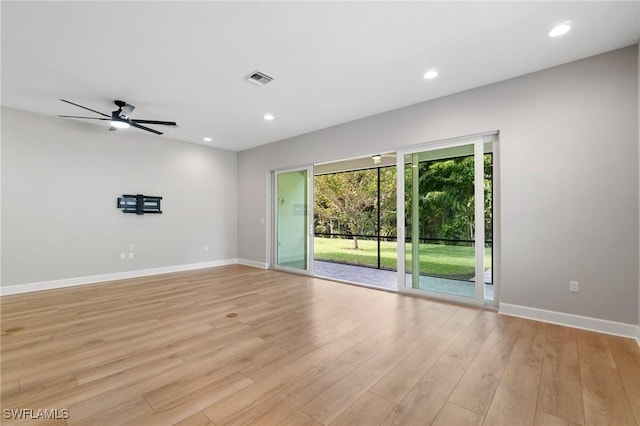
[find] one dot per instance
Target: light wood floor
(238, 345)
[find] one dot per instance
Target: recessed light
(207, 139)
(120, 124)
(560, 29)
(430, 74)
(268, 117)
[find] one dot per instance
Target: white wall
(569, 177)
(60, 181)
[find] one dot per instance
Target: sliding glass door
(445, 214)
(293, 245)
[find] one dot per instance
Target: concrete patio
(388, 279)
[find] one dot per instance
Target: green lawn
(435, 259)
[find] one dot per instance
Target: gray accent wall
(60, 181)
(568, 177)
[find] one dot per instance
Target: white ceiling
(333, 62)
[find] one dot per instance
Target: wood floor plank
(515, 399)
(530, 345)
(276, 407)
(627, 358)
(560, 392)
(95, 397)
(237, 345)
(192, 402)
(453, 415)
(10, 388)
(369, 409)
(462, 318)
(383, 335)
(470, 340)
(284, 353)
(116, 415)
(20, 421)
(51, 394)
(562, 347)
(45, 390)
(636, 412)
(426, 399)
(30, 369)
(545, 419)
(300, 419)
(366, 349)
(397, 383)
(166, 395)
(594, 348)
(119, 365)
(374, 319)
(605, 400)
(331, 403)
(14, 347)
(479, 383)
(197, 419)
(234, 405)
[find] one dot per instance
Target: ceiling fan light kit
(120, 124)
(120, 118)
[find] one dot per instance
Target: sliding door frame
(309, 221)
(478, 142)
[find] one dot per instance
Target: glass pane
(440, 228)
(411, 163)
(355, 226)
(292, 210)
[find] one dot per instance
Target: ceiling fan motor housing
(124, 110)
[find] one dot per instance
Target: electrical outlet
(130, 247)
(130, 255)
(122, 256)
(206, 248)
(574, 286)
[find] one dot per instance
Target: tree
(449, 198)
(446, 204)
(388, 209)
(348, 197)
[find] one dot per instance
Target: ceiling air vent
(259, 78)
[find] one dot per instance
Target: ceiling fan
(120, 118)
(377, 158)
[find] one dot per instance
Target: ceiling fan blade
(134, 124)
(165, 123)
(89, 109)
(88, 118)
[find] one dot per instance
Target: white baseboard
(253, 263)
(570, 320)
(93, 279)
